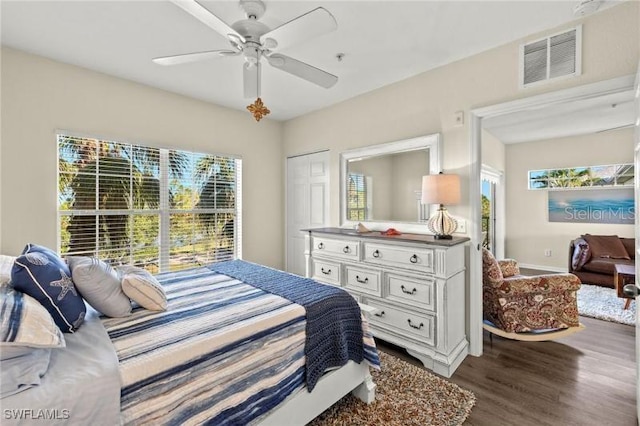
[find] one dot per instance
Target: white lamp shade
(441, 189)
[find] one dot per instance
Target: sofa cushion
(605, 266)
(581, 254)
(606, 246)
(630, 246)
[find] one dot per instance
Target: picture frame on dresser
(411, 285)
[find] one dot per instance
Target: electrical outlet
(547, 252)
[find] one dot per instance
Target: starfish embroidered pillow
(43, 275)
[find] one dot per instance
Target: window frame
(614, 177)
(164, 210)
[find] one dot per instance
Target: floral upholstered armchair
(517, 303)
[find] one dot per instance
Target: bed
(239, 344)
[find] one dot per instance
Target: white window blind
(357, 197)
(156, 208)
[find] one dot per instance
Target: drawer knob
(413, 259)
(327, 272)
(365, 281)
(376, 254)
(346, 249)
(417, 327)
(404, 290)
(320, 246)
(381, 314)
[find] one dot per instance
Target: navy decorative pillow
(43, 275)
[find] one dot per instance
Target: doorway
(528, 107)
(492, 208)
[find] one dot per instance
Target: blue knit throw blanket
(334, 325)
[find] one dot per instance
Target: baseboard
(542, 267)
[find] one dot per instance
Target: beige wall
(426, 103)
(408, 169)
(40, 96)
(493, 151)
(529, 232)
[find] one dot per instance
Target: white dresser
(414, 283)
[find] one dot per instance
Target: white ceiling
(586, 116)
(383, 42)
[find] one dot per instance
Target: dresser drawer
(343, 248)
(328, 272)
(419, 292)
(364, 280)
(420, 259)
(420, 327)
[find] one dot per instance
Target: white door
(307, 203)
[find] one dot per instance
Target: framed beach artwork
(606, 205)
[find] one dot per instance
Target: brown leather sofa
(593, 257)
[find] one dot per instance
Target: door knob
(631, 290)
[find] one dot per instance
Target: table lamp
(441, 189)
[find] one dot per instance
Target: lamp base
(443, 237)
(441, 224)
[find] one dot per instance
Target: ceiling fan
(253, 40)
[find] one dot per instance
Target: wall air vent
(552, 57)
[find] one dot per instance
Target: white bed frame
(303, 406)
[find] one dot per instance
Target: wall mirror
(383, 183)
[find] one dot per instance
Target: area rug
(603, 303)
(405, 395)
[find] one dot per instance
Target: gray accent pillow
(23, 371)
(99, 285)
(143, 288)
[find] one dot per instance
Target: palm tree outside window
(577, 177)
(156, 208)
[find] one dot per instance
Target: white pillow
(99, 284)
(25, 324)
(6, 263)
(143, 288)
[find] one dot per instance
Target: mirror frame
(432, 142)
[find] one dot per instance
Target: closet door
(307, 203)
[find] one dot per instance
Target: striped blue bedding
(224, 352)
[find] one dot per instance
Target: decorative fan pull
(258, 109)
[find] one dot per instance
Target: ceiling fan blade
(302, 70)
(312, 24)
(193, 57)
(251, 74)
(209, 19)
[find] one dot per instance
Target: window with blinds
(160, 209)
(357, 197)
(551, 57)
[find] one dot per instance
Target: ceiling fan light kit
(254, 40)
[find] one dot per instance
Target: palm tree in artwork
(127, 178)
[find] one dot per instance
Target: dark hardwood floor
(587, 378)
